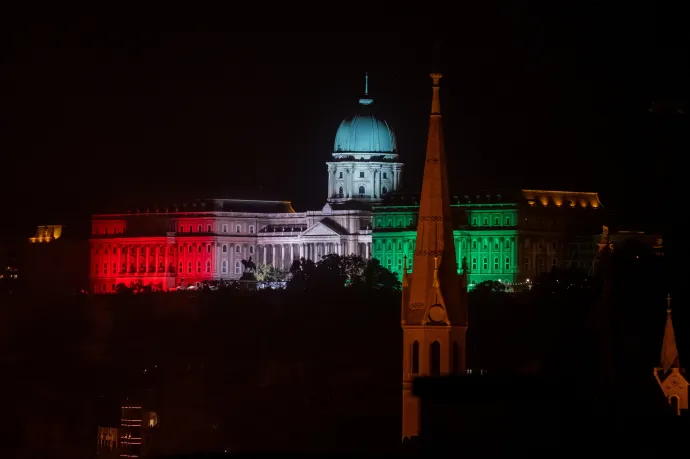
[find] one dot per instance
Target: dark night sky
(106, 108)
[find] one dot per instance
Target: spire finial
(366, 100)
(668, 302)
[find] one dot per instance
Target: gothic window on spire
(435, 358)
(415, 358)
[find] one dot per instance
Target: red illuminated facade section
(182, 246)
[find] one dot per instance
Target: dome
(364, 133)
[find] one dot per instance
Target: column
(301, 251)
(292, 253)
(352, 182)
(119, 263)
(330, 183)
(282, 256)
(138, 262)
(166, 269)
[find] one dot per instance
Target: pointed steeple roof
(669, 351)
(434, 279)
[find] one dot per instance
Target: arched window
(507, 221)
(389, 263)
(190, 249)
(474, 243)
(208, 266)
(362, 190)
(199, 228)
(208, 248)
(435, 358)
(384, 190)
(497, 221)
(225, 248)
(340, 190)
(238, 248)
(181, 249)
(198, 248)
(507, 244)
(399, 264)
(464, 243)
(507, 263)
(208, 229)
(224, 267)
(385, 175)
(399, 245)
(485, 264)
(474, 264)
(486, 221)
(238, 267)
(415, 358)
(189, 266)
(496, 244)
(198, 266)
(390, 245)
(251, 249)
(474, 221)
(457, 358)
(496, 265)
(673, 400)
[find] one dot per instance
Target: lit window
(238, 267)
(224, 267)
(189, 267)
(208, 266)
(238, 229)
(225, 248)
(198, 266)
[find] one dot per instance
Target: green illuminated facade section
(485, 236)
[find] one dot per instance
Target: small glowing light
(527, 280)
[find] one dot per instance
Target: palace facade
(510, 238)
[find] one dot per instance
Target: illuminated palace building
(510, 237)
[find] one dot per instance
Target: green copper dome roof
(364, 132)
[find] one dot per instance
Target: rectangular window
(238, 229)
(181, 268)
(251, 229)
(225, 228)
(507, 263)
(199, 228)
(361, 175)
(208, 229)
(496, 265)
(474, 264)
(485, 264)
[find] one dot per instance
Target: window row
(496, 222)
(435, 358)
(485, 263)
(209, 228)
(384, 175)
(526, 264)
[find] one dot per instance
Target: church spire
(435, 262)
(669, 351)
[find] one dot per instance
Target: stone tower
(434, 303)
(670, 375)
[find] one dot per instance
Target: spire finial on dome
(366, 100)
